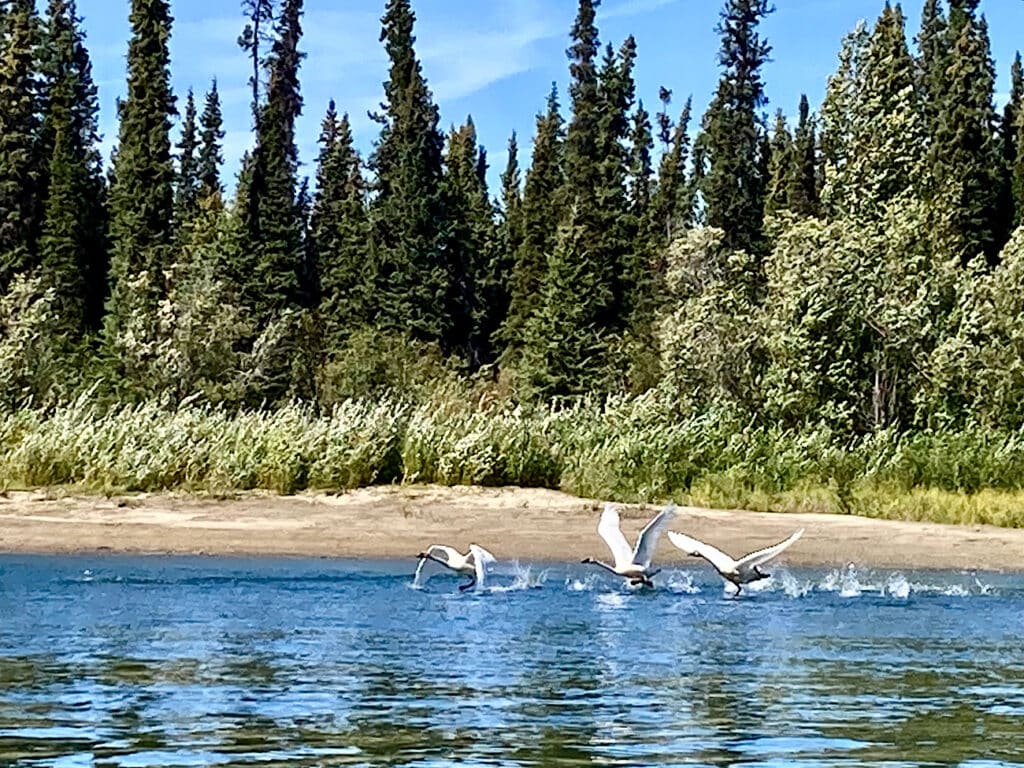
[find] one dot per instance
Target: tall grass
(632, 449)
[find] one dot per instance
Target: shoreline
(529, 525)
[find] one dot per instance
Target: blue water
(188, 662)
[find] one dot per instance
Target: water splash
(681, 583)
(897, 586)
(845, 582)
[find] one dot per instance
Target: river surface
(125, 661)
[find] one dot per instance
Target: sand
(514, 523)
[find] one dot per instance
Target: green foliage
(976, 373)
(733, 184)
(275, 268)
(141, 195)
(407, 214)
(964, 155)
(477, 299)
(780, 164)
(339, 230)
(186, 184)
(22, 169)
(672, 204)
(803, 177)
(210, 154)
(708, 334)
(72, 246)
(541, 212)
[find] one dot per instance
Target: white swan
(739, 572)
(633, 564)
(472, 564)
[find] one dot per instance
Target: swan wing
(721, 561)
(609, 530)
(647, 541)
(762, 556)
(481, 560)
(450, 555)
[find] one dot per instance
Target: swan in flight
(633, 564)
(473, 564)
(739, 572)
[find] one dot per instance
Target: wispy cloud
(632, 8)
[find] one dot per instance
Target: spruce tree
(478, 300)
(339, 229)
(934, 50)
(964, 157)
(255, 37)
(671, 207)
(1008, 140)
(72, 248)
(733, 187)
(541, 211)
(779, 167)
(210, 155)
(874, 137)
(803, 180)
(275, 275)
(21, 168)
(641, 171)
(142, 192)
(1015, 138)
(186, 187)
(511, 199)
(407, 215)
(582, 137)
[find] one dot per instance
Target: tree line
(860, 268)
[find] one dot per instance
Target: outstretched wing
(647, 541)
(481, 560)
(608, 529)
(762, 556)
(721, 561)
(449, 554)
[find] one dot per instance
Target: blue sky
(495, 59)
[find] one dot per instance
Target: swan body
(633, 563)
(472, 564)
(739, 572)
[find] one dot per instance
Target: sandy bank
(527, 524)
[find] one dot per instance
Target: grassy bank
(625, 449)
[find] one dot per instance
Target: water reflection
(293, 664)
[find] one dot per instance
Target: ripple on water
(168, 661)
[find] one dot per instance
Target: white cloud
(631, 8)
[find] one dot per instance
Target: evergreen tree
(186, 187)
(1017, 170)
(275, 273)
(210, 155)
(340, 229)
(641, 172)
(72, 248)
(964, 157)
(732, 187)
(779, 167)
(582, 137)
(541, 211)
(671, 207)
(934, 49)
(408, 218)
(512, 199)
(803, 180)
(142, 191)
(257, 34)
(1009, 208)
(874, 139)
(478, 300)
(21, 170)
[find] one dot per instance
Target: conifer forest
(702, 302)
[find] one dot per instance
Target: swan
(739, 572)
(472, 564)
(632, 564)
